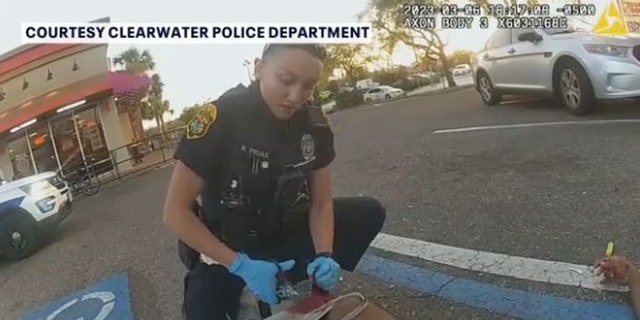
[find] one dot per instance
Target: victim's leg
(211, 293)
(357, 221)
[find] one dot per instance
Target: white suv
(31, 208)
(576, 66)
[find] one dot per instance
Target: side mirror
(530, 36)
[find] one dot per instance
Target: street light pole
(247, 64)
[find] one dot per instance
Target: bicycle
(84, 180)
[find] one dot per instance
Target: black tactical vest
(263, 191)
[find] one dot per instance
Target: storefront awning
(39, 106)
(126, 87)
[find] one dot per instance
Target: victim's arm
(185, 186)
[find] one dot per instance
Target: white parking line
(538, 124)
(517, 101)
(555, 272)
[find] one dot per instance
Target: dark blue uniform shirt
(239, 140)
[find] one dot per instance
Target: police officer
(259, 159)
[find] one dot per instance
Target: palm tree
(134, 61)
(139, 63)
(155, 107)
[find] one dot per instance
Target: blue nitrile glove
(326, 272)
(260, 276)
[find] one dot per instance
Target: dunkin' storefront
(60, 105)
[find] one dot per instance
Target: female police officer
(259, 159)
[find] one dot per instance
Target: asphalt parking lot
(555, 192)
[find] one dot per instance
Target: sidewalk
(463, 82)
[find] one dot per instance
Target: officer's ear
(258, 68)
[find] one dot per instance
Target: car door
(384, 91)
(379, 94)
(372, 94)
(494, 57)
(530, 62)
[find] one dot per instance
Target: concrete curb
(439, 91)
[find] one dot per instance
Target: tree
(155, 107)
(460, 57)
(352, 59)
(391, 76)
(139, 63)
(189, 113)
(393, 27)
(135, 62)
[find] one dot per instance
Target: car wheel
(21, 236)
(387, 96)
(488, 94)
(574, 89)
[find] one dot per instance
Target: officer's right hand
(260, 276)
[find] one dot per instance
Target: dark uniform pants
(212, 293)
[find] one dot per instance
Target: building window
(42, 148)
(69, 153)
(20, 158)
(90, 129)
(25, 84)
(49, 75)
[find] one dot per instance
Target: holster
(188, 256)
(292, 197)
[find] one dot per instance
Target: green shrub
(323, 100)
(348, 99)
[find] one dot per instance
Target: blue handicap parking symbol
(106, 300)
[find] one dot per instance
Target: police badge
(308, 146)
(199, 125)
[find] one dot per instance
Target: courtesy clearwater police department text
(195, 32)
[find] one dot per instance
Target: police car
(30, 208)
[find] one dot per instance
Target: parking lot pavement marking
(515, 303)
(537, 124)
(516, 101)
(106, 300)
(554, 272)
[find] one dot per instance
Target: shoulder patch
(202, 122)
(318, 117)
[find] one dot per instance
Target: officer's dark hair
(317, 50)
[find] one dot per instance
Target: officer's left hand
(326, 272)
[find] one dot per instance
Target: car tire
(19, 226)
(488, 94)
(387, 96)
(573, 88)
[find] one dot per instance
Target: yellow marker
(610, 249)
(611, 22)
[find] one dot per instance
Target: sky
(194, 73)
